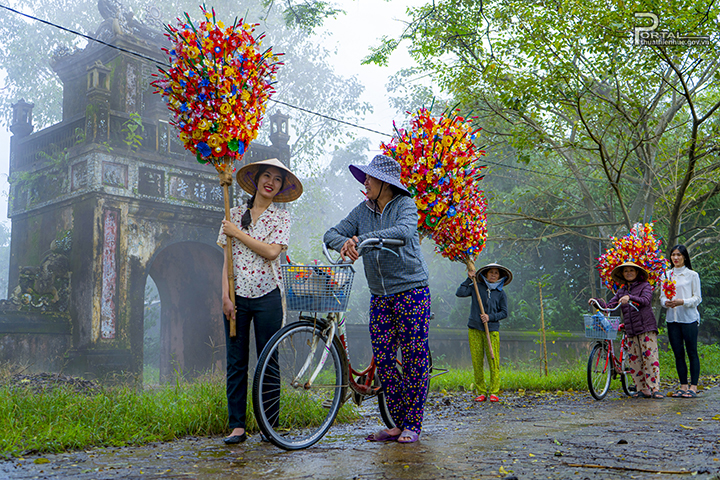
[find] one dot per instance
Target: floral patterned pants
(401, 321)
(643, 360)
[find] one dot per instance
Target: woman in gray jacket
(400, 297)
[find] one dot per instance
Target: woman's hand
(625, 300)
(674, 303)
(484, 317)
(349, 248)
(230, 229)
(228, 308)
(471, 273)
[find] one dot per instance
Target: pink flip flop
(381, 436)
(409, 436)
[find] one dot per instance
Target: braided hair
(247, 216)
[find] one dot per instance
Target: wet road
(553, 436)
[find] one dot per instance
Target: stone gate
(101, 201)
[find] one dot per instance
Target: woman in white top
(683, 320)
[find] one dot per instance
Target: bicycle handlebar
(368, 243)
(597, 305)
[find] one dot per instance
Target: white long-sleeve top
(687, 287)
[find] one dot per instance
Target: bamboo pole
(469, 264)
(225, 182)
(542, 325)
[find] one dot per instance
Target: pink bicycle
(603, 365)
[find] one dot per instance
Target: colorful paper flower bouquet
(217, 87)
(441, 169)
(641, 247)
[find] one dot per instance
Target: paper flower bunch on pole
(217, 87)
(440, 167)
(639, 246)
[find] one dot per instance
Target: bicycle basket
(600, 327)
(317, 288)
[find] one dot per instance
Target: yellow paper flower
(214, 140)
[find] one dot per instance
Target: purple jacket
(636, 322)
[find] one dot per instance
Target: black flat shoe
(234, 439)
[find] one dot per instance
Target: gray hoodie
(386, 273)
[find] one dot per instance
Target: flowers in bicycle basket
(639, 246)
(601, 322)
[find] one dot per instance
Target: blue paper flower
(204, 149)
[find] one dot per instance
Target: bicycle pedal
(368, 391)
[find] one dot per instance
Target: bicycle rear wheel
(628, 384)
(598, 371)
(382, 401)
(385, 411)
(292, 413)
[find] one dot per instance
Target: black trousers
(267, 313)
(683, 337)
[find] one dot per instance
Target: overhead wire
(328, 117)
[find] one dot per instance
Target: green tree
(560, 86)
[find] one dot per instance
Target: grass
(709, 361)
(62, 420)
(524, 376)
(514, 378)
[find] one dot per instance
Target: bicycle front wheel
(292, 411)
(599, 370)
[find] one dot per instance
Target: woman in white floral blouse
(260, 232)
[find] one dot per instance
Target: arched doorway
(192, 339)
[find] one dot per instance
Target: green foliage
(608, 130)
(308, 14)
(709, 270)
(133, 129)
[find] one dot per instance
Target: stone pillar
(280, 135)
(21, 125)
(97, 119)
